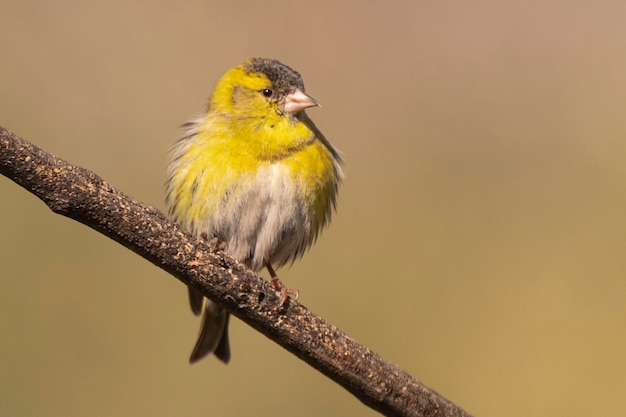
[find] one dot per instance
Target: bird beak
(297, 101)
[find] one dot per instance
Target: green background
(481, 230)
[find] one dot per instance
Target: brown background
(481, 230)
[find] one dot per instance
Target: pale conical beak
(297, 101)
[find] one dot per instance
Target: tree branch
(80, 194)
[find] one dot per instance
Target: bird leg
(279, 286)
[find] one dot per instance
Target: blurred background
(481, 231)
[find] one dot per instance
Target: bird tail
(213, 337)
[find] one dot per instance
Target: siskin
(255, 173)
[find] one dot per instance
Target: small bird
(255, 174)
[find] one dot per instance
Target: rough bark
(80, 194)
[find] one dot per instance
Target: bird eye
(267, 92)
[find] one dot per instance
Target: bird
(255, 174)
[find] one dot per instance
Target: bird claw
(215, 244)
(284, 291)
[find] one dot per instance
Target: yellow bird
(256, 174)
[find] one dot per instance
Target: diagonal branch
(80, 194)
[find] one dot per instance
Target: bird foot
(215, 244)
(284, 291)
